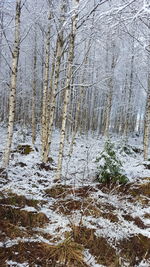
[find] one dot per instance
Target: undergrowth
(109, 168)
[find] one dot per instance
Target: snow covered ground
(112, 215)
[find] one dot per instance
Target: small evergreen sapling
(110, 167)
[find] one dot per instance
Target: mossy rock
(50, 160)
(24, 149)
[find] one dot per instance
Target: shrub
(110, 167)
(68, 253)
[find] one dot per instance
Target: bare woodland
(79, 66)
(74, 133)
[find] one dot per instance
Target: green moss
(24, 149)
(50, 160)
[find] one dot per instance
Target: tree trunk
(67, 91)
(34, 94)
(80, 97)
(129, 103)
(45, 88)
(147, 117)
(59, 51)
(1, 32)
(13, 83)
(110, 89)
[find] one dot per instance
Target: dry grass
(20, 201)
(136, 220)
(68, 253)
(22, 217)
(58, 191)
(140, 189)
(98, 246)
(135, 249)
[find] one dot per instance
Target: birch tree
(1, 26)
(110, 84)
(34, 91)
(129, 89)
(147, 116)
(94, 106)
(67, 87)
(80, 97)
(46, 83)
(13, 84)
(54, 86)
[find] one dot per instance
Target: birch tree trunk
(80, 97)
(108, 110)
(59, 52)
(53, 103)
(129, 103)
(45, 88)
(110, 91)
(67, 90)
(13, 83)
(34, 93)
(1, 31)
(147, 117)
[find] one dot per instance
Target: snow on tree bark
(67, 89)
(13, 84)
(34, 92)
(59, 51)
(45, 88)
(147, 116)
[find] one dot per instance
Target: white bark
(147, 117)
(59, 51)
(13, 83)
(80, 98)
(67, 92)
(45, 88)
(129, 103)
(34, 94)
(110, 91)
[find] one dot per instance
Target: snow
(81, 167)
(16, 264)
(90, 260)
(78, 170)
(144, 264)
(26, 208)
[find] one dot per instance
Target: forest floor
(77, 222)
